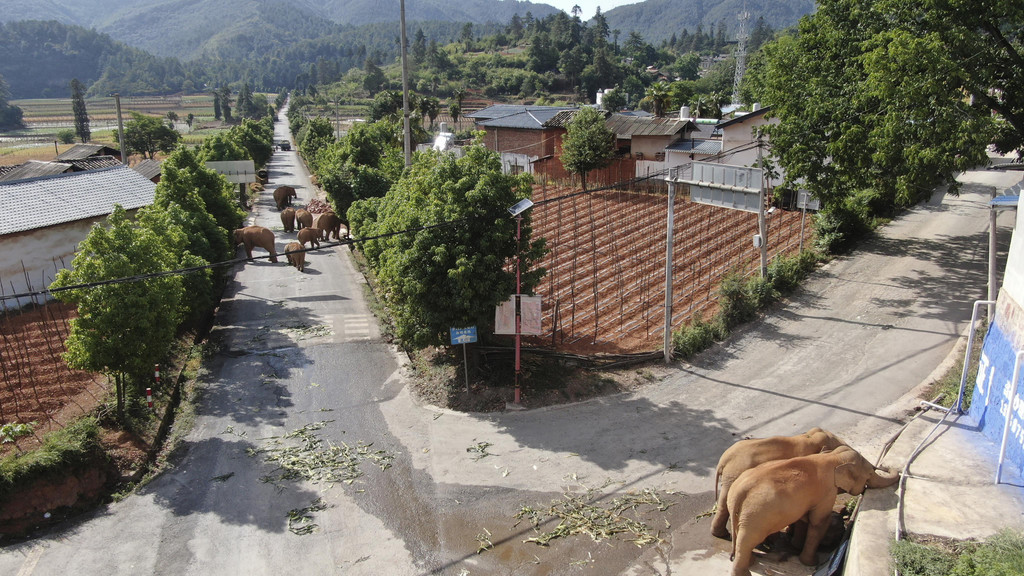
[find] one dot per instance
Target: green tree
(455, 111)
(217, 193)
(658, 98)
(123, 328)
(257, 138)
(451, 275)
(225, 102)
(364, 164)
(613, 100)
(868, 108)
(10, 115)
(147, 135)
(217, 114)
(66, 136)
(318, 135)
(588, 143)
(78, 108)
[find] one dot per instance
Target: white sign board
(736, 187)
(804, 200)
(236, 171)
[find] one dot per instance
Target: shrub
(64, 449)
(839, 226)
(66, 136)
(698, 335)
(734, 303)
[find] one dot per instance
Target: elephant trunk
(883, 478)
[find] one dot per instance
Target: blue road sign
(463, 335)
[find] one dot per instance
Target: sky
(588, 7)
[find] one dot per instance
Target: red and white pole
(156, 369)
(149, 397)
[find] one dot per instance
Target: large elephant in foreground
(773, 495)
(330, 224)
(746, 454)
(283, 196)
(256, 236)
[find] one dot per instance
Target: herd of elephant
(312, 228)
(764, 485)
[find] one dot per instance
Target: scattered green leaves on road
(300, 520)
(587, 514)
(480, 449)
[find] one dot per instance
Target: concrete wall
(42, 252)
(994, 393)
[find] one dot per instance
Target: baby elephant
(767, 498)
(296, 257)
(746, 454)
(288, 219)
(311, 235)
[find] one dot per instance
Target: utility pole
(668, 270)
(405, 91)
(120, 129)
(762, 222)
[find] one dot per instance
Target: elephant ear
(850, 479)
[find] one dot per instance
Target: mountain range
(188, 29)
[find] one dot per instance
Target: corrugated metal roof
(51, 200)
(629, 126)
(697, 146)
(79, 151)
(743, 117)
(148, 168)
(499, 110)
(532, 119)
(35, 169)
(95, 162)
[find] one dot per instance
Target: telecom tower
(741, 55)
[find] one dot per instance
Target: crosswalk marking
(355, 327)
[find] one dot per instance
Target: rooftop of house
(44, 201)
(499, 110)
(80, 151)
(531, 118)
(631, 126)
(148, 168)
(35, 169)
(741, 117)
(696, 146)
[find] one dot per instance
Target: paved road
(299, 349)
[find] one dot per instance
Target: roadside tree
(449, 239)
(122, 328)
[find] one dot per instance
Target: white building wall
(42, 252)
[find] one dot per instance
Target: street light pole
(517, 212)
(519, 314)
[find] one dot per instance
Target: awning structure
(1007, 199)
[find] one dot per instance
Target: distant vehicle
(285, 145)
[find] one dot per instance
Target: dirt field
(604, 291)
(38, 386)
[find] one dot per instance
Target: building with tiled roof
(519, 133)
(150, 169)
(43, 219)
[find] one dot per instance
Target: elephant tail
(718, 477)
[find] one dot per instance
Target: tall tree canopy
(78, 108)
(589, 143)
(874, 96)
(451, 275)
(147, 135)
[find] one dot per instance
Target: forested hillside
(658, 20)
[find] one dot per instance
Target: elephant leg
(744, 547)
(248, 251)
(720, 523)
(817, 524)
(273, 254)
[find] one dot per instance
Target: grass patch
(1000, 555)
(740, 298)
(949, 384)
(63, 450)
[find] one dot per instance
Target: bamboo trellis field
(604, 290)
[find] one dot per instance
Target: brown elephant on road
(330, 224)
(288, 219)
(746, 454)
(283, 196)
(256, 236)
(296, 257)
(767, 498)
(311, 235)
(303, 219)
